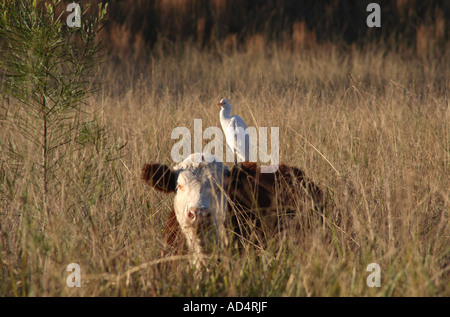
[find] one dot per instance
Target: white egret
(235, 132)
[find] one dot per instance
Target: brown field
(371, 126)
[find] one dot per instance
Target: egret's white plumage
(235, 136)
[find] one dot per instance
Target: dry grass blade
(320, 153)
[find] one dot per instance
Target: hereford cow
(211, 200)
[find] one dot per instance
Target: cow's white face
(200, 199)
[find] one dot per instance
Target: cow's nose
(197, 213)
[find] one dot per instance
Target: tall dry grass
(372, 127)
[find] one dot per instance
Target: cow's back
(261, 205)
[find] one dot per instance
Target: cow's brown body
(262, 205)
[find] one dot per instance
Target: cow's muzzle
(200, 216)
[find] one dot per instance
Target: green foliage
(47, 71)
(47, 65)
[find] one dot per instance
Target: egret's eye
(180, 187)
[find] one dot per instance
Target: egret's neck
(225, 113)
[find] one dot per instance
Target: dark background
(142, 24)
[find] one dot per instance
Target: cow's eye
(180, 187)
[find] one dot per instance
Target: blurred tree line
(134, 28)
(138, 24)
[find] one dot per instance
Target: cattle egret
(235, 132)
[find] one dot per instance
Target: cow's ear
(159, 176)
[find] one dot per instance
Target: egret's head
(224, 103)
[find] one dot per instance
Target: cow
(212, 200)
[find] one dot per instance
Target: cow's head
(200, 200)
